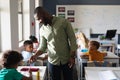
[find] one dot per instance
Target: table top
(92, 73)
(42, 70)
(109, 55)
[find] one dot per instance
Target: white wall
(28, 9)
(9, 23)
(0, 28)
(37, 3)
(98, 18)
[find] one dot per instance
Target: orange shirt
(95, 55)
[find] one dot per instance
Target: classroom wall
(92, 17)
(51, 6)
(9, 23)
(0, 30)
(9, 31)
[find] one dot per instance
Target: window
(0, 30)
(20, 20)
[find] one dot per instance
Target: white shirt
(26, 55)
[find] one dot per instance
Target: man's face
(39, 19)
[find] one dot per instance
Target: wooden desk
(110, 57)
(42, 70)
(92, 73)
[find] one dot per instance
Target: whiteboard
(98, 18)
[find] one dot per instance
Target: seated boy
(10, 61)
(93, 53)
(27, 52)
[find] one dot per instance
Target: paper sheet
(107, 75)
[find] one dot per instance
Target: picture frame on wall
(61, 15)
(71, 19)
(61, 9)
(71, 12)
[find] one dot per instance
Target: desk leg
(118, 64)
(81, 70)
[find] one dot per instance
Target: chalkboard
(98, 18)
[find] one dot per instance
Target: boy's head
(33, 39)
(28, 45)
(11, 58)
(93, 45)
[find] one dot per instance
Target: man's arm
(40, 50)
(71, 36)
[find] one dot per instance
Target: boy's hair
(27, 42)
(95, 43)
(11, 57)
(33, 38)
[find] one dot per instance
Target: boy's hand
(105, 54)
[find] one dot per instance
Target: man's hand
(32, 59)
(71, 62)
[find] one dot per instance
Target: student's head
(28, 45)
(33, 39)
(11, 59)
(93, 45)
(42, 16)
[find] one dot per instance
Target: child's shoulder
(26, 52)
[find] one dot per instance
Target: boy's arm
(105, 54)
(84, 55)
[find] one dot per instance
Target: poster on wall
(61, 9)
(61, 15)
(71, 19)
(71, 12)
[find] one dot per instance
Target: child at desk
(10, 60)
(27, 52)
(94, 55)
(96, 58)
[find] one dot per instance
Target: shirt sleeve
(71, 35)
(87, 53)
(104, 54)
(43, 43)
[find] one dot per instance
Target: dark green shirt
(10, 74)
(59, 39)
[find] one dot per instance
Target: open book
(107, 75)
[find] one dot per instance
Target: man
(57, 36)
